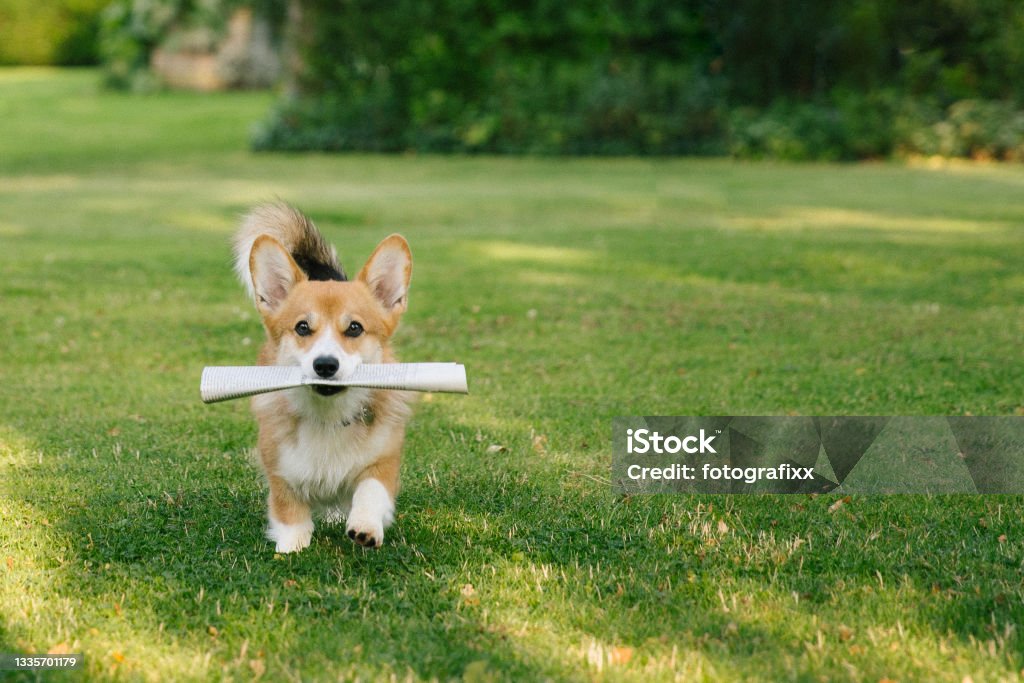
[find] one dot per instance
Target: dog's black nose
(326, 366)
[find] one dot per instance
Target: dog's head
(329, 327)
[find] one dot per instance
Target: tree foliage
(132, 29)
(54, 32)
(791, 78)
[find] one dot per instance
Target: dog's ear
(274, 273)
(387, 273)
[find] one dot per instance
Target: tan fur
(287, 420)
(284, 504)
(385, 470)
(293, 230)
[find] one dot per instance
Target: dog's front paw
(290, 538)
(368, 535)
(372, 510)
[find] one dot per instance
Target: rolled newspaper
(226, 383)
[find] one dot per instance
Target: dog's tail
(297, 235)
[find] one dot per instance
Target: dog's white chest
(321, 462)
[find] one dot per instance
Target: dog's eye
(302, 329)
(354, 329)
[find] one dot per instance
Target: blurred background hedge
(43, 32)
(149, 43)
(790, 79)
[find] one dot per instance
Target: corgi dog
(329, 451)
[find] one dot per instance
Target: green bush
(977, 129)
(536, 108)
(786, 130)
(982, 129)
(785, 79)
(464, 75)
(131, 29)
(54, 32)
(876, 125)
(846, 126)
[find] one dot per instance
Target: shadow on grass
(501, 569)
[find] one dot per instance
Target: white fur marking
(372, 509)
(242, 252)
(290, 537)
(327, 345)
(325, 456)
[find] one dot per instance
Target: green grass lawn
(131, 517)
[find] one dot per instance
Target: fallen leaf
(620, 655)
(258, 667)
(540, 442)
(1002, 538)
(838, 504)
(845, 633)
(496, 448)
(469, 596)
(117, 656)
(291, 583)
(114, 431)
(10, 562)
(212, 630)
(723, 528)
(60, 649)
